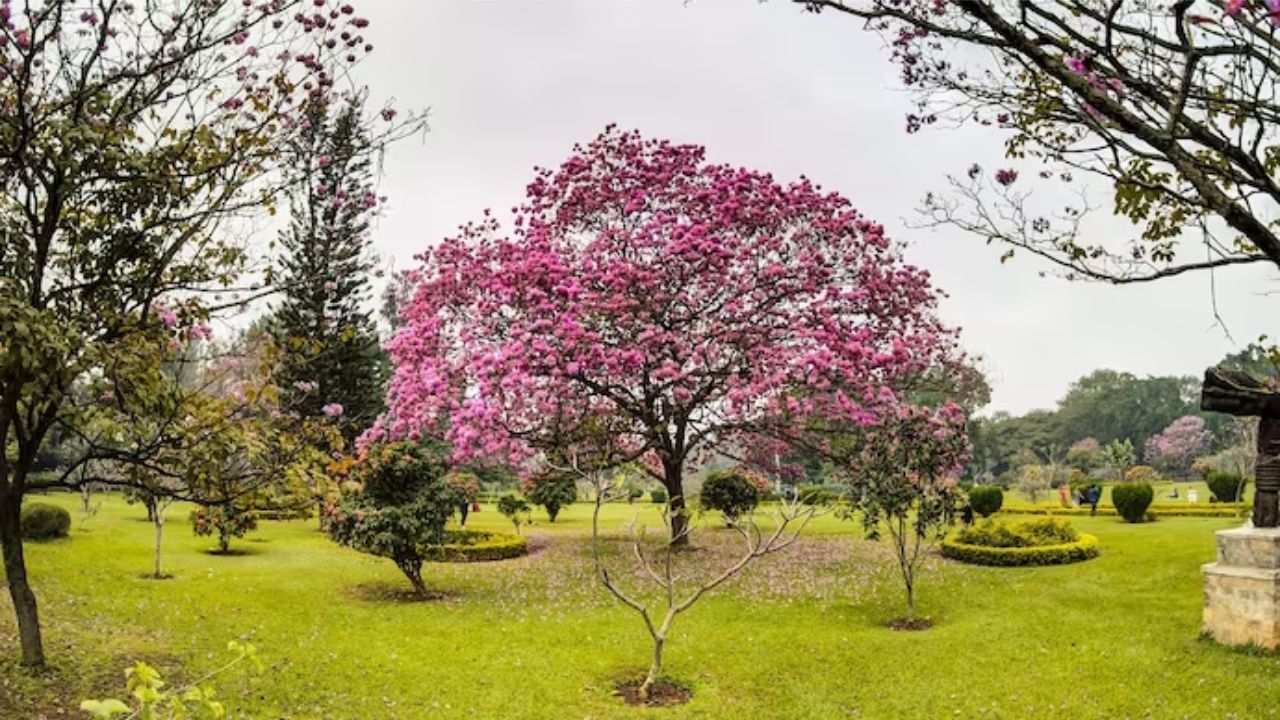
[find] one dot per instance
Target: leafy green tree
(515, 509)
(1120, 458)
(138, 143)
(733, 492)
(1110, 405)
(400, 509)
(333, 362)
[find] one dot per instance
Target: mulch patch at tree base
(912, 624)
(662, 694)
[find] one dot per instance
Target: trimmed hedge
(1044, 541)
(1225, 486)
(658, 497)
(42, 521)
(1214, 510)
(986, 500)
(1083, 549)
(1132, 500)
(475, 546)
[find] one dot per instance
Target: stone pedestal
(1242, 589)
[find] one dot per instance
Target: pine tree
(333, 363)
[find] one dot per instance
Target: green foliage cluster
(1141, 474)
(1227, 487)
(819, 494)
(1047, 541)
(400, 509)
(475, 546)
(1132, 500)
(41, 521)
(986, 499)
(226, 521)
(149, 699)
(552, 491)
(733, 492)
(515, 508)
(658, 496)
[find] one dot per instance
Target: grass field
(801, 635)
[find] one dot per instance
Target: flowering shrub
(1141, 474)
(227, 521)
(400, 509)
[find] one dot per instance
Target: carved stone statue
(1236, 393)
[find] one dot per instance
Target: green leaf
(104, 708)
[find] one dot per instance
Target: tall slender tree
(333, 363)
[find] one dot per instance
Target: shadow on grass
(232, 552)
(382, 592)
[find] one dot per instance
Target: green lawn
(801, 635)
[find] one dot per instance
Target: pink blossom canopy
(695, 301)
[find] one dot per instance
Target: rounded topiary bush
(986, 500)
(475, 546)
(733, 492)
(658, 497)
(42, 521)
(1132, 500)
(1044, 541)
(1225, 486)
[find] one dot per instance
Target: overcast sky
(513, 85)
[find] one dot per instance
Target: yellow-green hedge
(476, 546)
(1212, 510)
(1083, 549)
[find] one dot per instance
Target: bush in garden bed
(475, 546)
(1031, 542)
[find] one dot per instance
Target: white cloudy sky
(513, 85)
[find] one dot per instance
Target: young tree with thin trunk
(901, 473)
(138, 142)
(687, 301)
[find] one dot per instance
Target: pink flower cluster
(648, 286)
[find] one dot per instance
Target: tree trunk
(158, 519)
(224, 540)
(674, 481)
(15, 569)
(655, 668)
(412, 569)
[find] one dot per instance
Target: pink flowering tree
(1168, 105)
(686, 301)
(1177, 446)
(140, 143)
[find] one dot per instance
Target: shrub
(41, 521)
(475, 546)
(1218, 510)
(1046, 541)
(400, 509)
(986, 500)
(515, 508)
(1132, 500)
(227, 521)
(552, 491)
(732, 492)
(1225, 486)
(1141, 474)
(658, 497)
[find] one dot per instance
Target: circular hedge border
(1083, 549)
(476, 546)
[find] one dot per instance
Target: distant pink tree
(1174, 448)
(690, 303)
